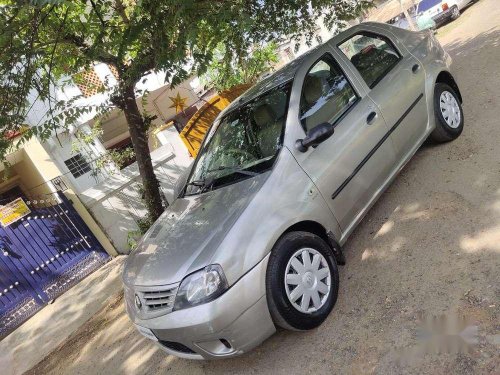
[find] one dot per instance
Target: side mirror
(315, 136)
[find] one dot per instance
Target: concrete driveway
(429, 248)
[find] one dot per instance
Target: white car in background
(441, 11)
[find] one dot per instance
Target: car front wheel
(302, 281)
(448, 114)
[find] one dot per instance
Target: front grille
(161, 299)
(441, 17)
(147, 302)
(177, 347)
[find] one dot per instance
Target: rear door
(395, 81)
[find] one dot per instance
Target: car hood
(186, 236)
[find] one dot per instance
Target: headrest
(263, 115)
(313, 89)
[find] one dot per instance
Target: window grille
(88, 82)
(114, 71)
(77, 165)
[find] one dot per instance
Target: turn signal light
(445, 6)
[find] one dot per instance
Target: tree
(224, 71)
(43, 41)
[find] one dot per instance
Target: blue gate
(42, 255)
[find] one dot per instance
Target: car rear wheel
(448, 114)
(302, 281)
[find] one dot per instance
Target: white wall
(60, 148)
(116, 203)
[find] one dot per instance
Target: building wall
(116, 203)
(23, 173)
(62, 148)
(33, 183)
(115, 129)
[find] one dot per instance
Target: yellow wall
(33, 183)
(91, 223)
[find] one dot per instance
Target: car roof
(287, 72)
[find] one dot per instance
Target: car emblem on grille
(138, 302)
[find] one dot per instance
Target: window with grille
(77, 165)
(88, 82)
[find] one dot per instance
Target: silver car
(283, 176)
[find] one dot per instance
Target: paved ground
(429, 247)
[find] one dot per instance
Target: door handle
(371, 117)
(415, 68)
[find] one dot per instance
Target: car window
(245, 139)
(326, 94)
(372, 55)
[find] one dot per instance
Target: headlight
(201, 287)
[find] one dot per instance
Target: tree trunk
(139, 136)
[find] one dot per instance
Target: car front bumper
(443, 17)
(231, 325)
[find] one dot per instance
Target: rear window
(373, 56)
(427, 4)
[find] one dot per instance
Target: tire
(445, 131)
(283, 312)
(455, 12)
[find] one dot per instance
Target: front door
(395, 81)
(351, 166)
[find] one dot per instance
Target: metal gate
(42, 255)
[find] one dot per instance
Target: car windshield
(242, 144)
(427, 4)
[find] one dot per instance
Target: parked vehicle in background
(284, 175)
(423, 22)
(441, 11)
(429, 14)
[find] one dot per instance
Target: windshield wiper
(203, 184)
(233, 170)
(197, 183)
(208, 182)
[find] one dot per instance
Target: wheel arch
(318, 229)
(446, 77)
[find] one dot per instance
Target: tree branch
(103, 23)
(89, 51)
(51, 63)
(120, 9)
